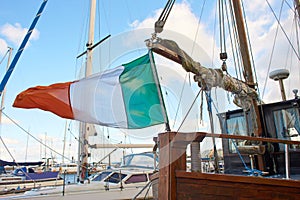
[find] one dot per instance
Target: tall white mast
(90, 43)
(88, 71)
(4, 91)
(64, 144)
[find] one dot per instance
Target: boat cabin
(122, 178)
(280, 120)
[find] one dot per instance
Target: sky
(61, 35)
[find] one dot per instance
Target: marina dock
(91, 195)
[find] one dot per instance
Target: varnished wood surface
(192, 185)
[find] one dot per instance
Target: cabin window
(287, 124)
(101, 176)
(115, 177)
(236, 126)
(139, 160)
(137, 178)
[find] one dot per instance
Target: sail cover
(207, 78)
(123, 97)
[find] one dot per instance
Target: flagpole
(161, 100)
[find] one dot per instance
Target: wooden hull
(213, 186)
(194, 185)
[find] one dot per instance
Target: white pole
(88, 72)
(4, 91)
(64, 144)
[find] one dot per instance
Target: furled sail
(207, 78)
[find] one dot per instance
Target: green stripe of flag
(140, 94)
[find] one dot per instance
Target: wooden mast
(297, 7)
(248, 75)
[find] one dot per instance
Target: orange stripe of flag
(54, 98)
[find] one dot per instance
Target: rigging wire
(296, 33)
(106, 21)
(295, 9)
(273, 48)
(4, 56)
(214, 35)
(250, 48)
(180, 99)
(194, 42)
(36, 139)
(236, 54)
(106, 17)
(159, 24)
(222, 30)
(289, 58)
(140, 51)
(297, 28)
(83, 35)
(234, 47)
(186, 115)
(24, 172)
(198, 27)
(292, 46)
(7, 148)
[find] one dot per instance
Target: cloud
(181, 21)
(13, 34)
(265, 34)
(271, 48)
(5, 121)
(3, 46)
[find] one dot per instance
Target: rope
(209, 107)
(222, 26)
(201, 107)
(252, 172)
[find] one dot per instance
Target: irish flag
(123, 97)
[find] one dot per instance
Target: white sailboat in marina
(130, 180)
